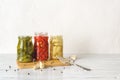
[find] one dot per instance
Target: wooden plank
(50, 63)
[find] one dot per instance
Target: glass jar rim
(41, 34)
(21, 37)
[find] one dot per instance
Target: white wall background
(88, 26)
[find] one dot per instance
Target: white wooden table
(104, 67)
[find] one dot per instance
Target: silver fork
(70, 61)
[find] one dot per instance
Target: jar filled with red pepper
(41, 46)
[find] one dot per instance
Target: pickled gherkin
(25, 49)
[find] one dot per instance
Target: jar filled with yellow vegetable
(56, 46)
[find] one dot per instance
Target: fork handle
(87, 69)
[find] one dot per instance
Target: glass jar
(41, 46)
(56, 47)
(25, 49)
(35, 45)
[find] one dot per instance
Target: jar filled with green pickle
(25, 49)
